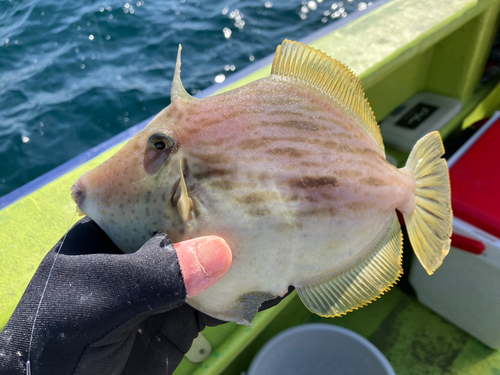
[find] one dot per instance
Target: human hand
(104, 312)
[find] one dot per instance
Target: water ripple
(74, 73)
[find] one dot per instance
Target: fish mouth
(78, 195)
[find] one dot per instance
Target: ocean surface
(75, 73)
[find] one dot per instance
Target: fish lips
(78, 195)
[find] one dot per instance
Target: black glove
(103, 312)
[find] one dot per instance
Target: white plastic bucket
(319, 349)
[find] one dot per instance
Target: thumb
(203, 261)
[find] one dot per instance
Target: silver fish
(290, 170)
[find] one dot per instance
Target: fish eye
(161, 142)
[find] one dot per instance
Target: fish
(291, 171)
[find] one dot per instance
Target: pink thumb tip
(203, 261)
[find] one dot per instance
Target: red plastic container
(466, 288)
(475, 180)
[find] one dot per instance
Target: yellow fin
(361, 284)
(313, 67)
(184, 204)
(178, 91)
(430, 224)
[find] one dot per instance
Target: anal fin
(363, 282)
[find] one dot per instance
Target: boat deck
(414, 339)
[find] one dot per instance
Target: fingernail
(204, 261)
(211, 253)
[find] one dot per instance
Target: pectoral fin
(363, 282)
(184, 204)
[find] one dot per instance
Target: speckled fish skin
(282, 172)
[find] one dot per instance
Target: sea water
(75, 73)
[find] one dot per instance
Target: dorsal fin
(178, 91)
(315, 68)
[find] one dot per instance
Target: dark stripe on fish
(215, 158)
(212, 173)
(250, 144)
(266, 196)
(373, 181)
(293, 124)
(307, 182)
(222, 185)
(258, 211)
(286, 151)
(207, 122)
(358, 206)
(348, 173)
(312, 164)
(320, 211)
(230, 185)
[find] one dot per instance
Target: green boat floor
(414, 339)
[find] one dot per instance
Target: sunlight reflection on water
(73, 74)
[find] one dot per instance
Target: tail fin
(430, 224)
